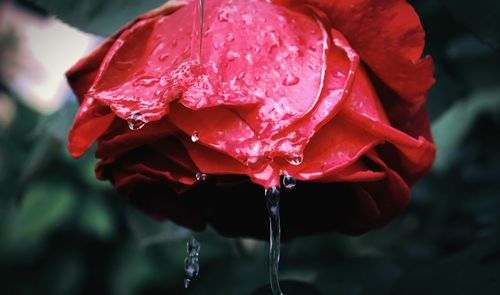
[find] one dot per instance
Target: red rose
(328, 92)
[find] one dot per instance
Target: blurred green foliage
(63, 232)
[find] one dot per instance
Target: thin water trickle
(197, 35)
(191, 263)
(273, 209)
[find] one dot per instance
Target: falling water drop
(191, 263)
(201, 176)
(273, 209)
(289, 182)
(195, 136)
(136, 121)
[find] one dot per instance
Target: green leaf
(472, 271)
(98, 16)
(95, 217)
(44, 206)
(150, 231)
(452, 127)
(480, 17)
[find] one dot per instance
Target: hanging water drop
(273, 209)
(295, 160)
(290, 80)
(191, 263)
(289, 182)
(195, 136)
(201, 176)
(136, 121)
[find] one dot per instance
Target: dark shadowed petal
(119, 139)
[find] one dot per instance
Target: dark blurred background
(63, 232)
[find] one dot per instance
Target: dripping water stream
(273, 208)
(197, 35)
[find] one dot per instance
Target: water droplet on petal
(295, 160)
(136, 121)
(163, 81)
(163, 57)
(224, 15)
(241, 75)
(145, 82)
(230, 37)
(201, 176)
(232, 55)
(195, 136)
(291, 80)
(289, 182)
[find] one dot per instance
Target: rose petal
(82, 75)
(259, 52)
(342, 65)
(136, 74)
(335, 146)
(389, 38)
(119, 139)
(92, 120)
(146, 161)
(356, 172)
(415, 155)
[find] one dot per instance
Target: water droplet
(145, 82)
(232, 55)
(289, 182)
(224, 15)
(230, 37)
(241, 75)
(295, 160)
(192, 263)
(163, 57)
(195, 136)
(201, 176)
(136, 121)
(163, 81)
(273, 209)
(291, 80)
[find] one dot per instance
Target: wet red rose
(330, 93)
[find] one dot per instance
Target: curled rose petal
(328, 92)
